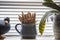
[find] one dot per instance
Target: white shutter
(13, 8)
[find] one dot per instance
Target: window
(14, 8)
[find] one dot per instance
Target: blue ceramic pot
(28, 31)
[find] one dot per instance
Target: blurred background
(13, 8)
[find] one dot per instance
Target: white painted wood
(30, 0)
(37, 38)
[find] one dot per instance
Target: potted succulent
(28, 25)
(56, 28)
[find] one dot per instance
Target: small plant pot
(27, 37)
(56, 27)
(28, 31)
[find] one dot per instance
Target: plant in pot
(28, 25)
(56, 11)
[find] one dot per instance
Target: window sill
(37, 38)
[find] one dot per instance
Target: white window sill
(37, 38)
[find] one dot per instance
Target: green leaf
(51, 4)
(43, 20)
(49, 1)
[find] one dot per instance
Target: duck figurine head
(7, 20)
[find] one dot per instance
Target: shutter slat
(26, 1)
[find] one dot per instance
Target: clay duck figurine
(4, 27)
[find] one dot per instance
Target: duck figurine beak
(7, 20)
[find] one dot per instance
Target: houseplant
(28, 25)
(56, 11)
